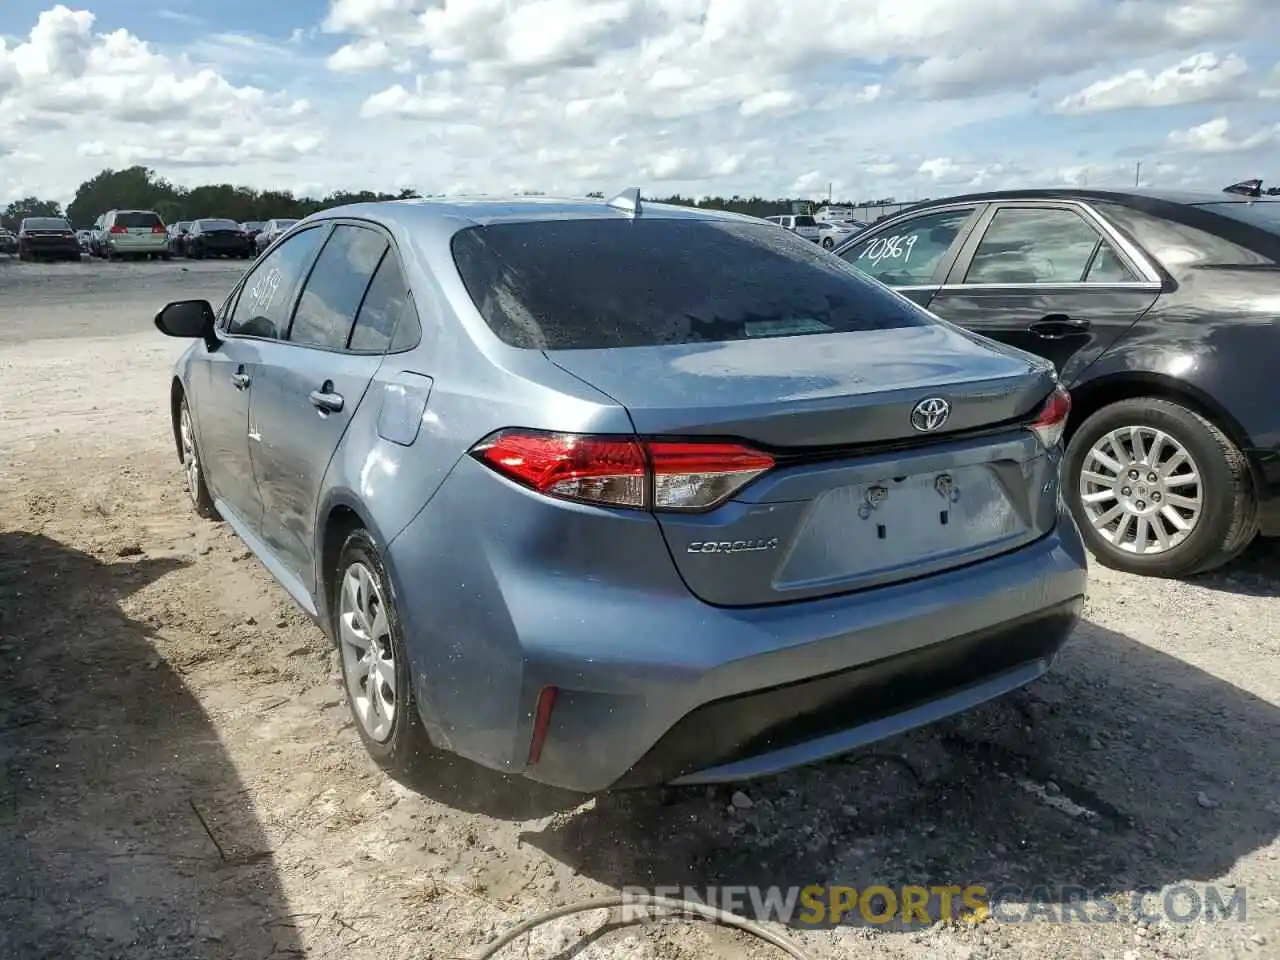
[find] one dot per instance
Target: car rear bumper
(137, 244)
(655, 686)
(51, 248)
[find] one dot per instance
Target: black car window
(1179, 245)
(384, 308)
(1107, 267)
(337, 284)
(600, 283)
(806, 222)
(267, 295)
(134, 219)
(45, 223)
(908, 253)
(1034, 245)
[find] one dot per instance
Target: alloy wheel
(190, 456)
(1141, 490)
(368, 655)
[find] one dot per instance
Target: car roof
(458, 213)
(1121, 195)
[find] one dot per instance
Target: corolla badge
(930, 414)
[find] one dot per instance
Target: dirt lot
(178, 776)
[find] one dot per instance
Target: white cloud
(1197, 79)
(1217, 136)
(721, 96)
(128, 103)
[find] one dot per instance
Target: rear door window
(1036, 245)
(908, 254)
(336, 287)
(595, 283)
(385, 309)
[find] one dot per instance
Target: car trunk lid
(859, 496)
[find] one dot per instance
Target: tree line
(141, 188)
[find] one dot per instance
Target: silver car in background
(609, 494)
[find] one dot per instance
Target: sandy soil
(179, 778)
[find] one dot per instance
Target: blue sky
(921, 97)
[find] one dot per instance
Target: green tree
(15, 212)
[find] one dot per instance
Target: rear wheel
(375, 664)
(1158, 490)
(193, 466)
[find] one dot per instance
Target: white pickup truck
(802, 224)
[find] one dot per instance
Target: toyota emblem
(929, 414)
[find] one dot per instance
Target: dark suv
(1159, 311)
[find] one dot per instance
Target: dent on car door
(1049, 278)
(313, 382)
(913, 255)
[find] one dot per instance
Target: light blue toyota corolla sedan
(611, 494)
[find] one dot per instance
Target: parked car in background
(177, 233)
(1159, 311)
(217, 238)
(131, 234)
(272, 230)
(47, 238)
(832, 233)
(252, 228)
(84, 236)
(623, 423)
(800, 224)
(8, 242)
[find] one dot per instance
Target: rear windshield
(806, 222)
(252, 225)
(285, 224)
(588, 284)
(1263, 213)
(134, 219)
(219, 225)
(46, 223)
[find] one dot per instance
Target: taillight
(158, 229)
(629, 472)
(1052, 418)
(119, 230)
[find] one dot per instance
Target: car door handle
(1058, 325)
(325, 400)
(241, 380)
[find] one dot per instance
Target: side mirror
(191, 319)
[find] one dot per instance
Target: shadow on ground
(1255, 573)
(1123, 768)
(124, 830)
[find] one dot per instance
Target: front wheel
(375, 664)
(1158, 490)
(193, 466)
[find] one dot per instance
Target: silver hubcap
(1141, 490)
(190, 459)
(368, 659)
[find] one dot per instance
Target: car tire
(1217, 509)
(24, 256)
(166, 257)
(193, 465)
(367, 631)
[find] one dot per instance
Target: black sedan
(47, 238)
(1159, 310)
(217, 238)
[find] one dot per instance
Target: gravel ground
(179, 777)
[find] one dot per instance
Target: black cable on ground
(686, 907)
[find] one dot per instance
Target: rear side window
(337, 284)
(384, 307)
(590, 284)
(1034, 245)
(133, 219)
(806, 222)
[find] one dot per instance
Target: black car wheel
(193, 465)
(375, 663)
(1158, 490)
